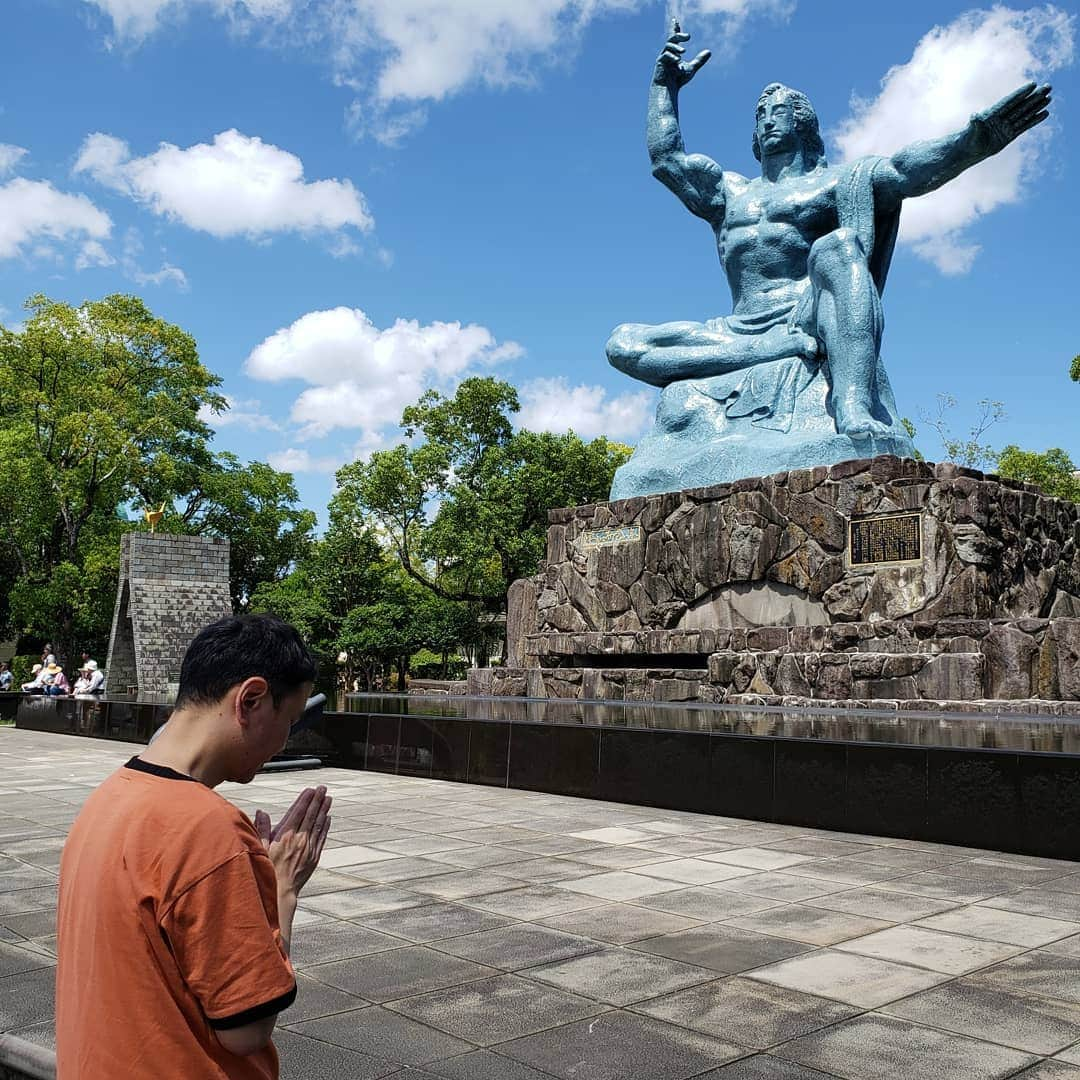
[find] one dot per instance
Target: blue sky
(346, 201)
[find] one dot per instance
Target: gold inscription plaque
(624, 534)
(886, 540)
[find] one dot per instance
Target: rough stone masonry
(748, 588)
(170, 587)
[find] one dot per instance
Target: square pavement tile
(463, 883)
(324, 881)
(1009, 1019)
(811, 925)
(544, 871)
(14, 960)
(495, 1010)
(1001, 925)
(613, 857)
(473, 858)
(854, 980)
(485, 1065)
(1050, 1070)
(696, 871)
(707, 905)
(315, 999)
(1069, 946)
(394, 870)
(721, 948)
(364, 901)
(684, 846)
(301, 1056)
(873, 1047)
(432, 922)
(321, 942)
(533, 902)
(1040, 901)
(518, 946)
(620, 923)
(948, 953)
(614, 834)
(882, 902)
(618, 1046)
(844, 871)
(618, 976)
(1043, 974)
(820, 847)
(400, 973)
(939, 886)
(422, 845)
(764, 1067)
(382, 1034)
(27, 998)
(619, 885)
(354, 855)
(755, 858)
(779, 886)
(14, 903)
(905, 859)
(1070, 884)
(746, 1012)
(16, 875)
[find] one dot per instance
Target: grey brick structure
(170, 588)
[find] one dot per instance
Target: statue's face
(775, 129)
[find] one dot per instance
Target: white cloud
(93, 253)
(399, 55)
(361, 376)
(294, 460)
(10, 156)
(555, 405)
(33, 210)
(236, 186)
(135, 19)
(957, 70)
(242, 414)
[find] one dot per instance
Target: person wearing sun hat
(91, 679)
(58, 685)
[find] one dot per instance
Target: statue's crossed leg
(842, 313)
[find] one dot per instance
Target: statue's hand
(996, 127)
(670, 68)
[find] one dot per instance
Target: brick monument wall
(170, 587)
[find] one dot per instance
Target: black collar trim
(163, 771)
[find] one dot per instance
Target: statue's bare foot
(854, 420)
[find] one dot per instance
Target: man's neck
(186, 747)
(783, 165)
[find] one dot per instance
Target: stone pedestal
(170, 588)
(761, 591)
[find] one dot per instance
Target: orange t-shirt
(167, 929)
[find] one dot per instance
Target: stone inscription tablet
(624, 534)
(885, 541)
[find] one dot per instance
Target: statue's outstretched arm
(924, 166)
(695, 178)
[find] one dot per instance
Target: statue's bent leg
(689, 350)
(849, 321)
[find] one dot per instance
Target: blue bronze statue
(793, 377)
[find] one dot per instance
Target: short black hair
(239, 647)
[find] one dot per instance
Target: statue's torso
(768, 228)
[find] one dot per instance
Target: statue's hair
(806, 121)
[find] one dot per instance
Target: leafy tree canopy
(101, 408)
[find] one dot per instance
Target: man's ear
(250, 695)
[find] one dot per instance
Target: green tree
(1052, 470)
(101, 407)
(464, 506)
(969, 451)
(1074, 369)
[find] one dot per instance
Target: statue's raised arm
(695, 178)
(924, 166)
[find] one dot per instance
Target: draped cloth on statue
(766, 393)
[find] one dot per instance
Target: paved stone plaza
(471, 933)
